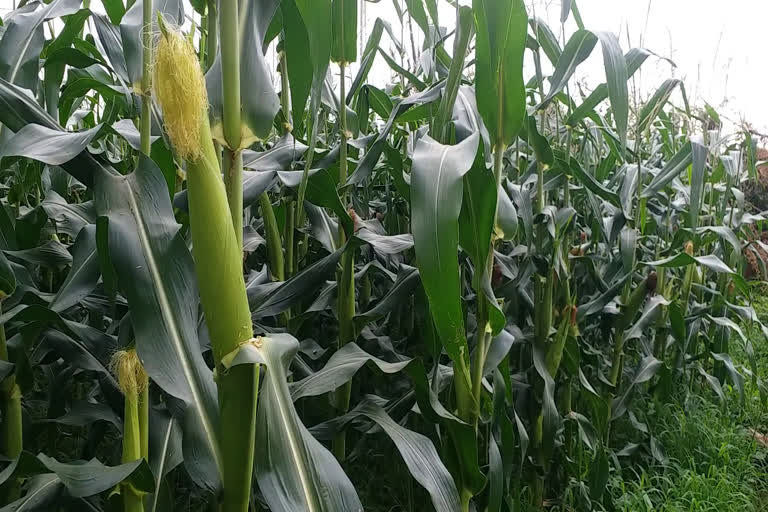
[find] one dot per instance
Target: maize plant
(238, 273)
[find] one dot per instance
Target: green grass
(714, 463)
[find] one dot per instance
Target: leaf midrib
(170, 321)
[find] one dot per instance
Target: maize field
(228, 285)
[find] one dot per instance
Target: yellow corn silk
(129, 371)
(180, 89)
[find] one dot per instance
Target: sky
(718, 47)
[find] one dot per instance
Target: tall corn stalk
(132, 380)
(215, 245)
(344, 51)
(11, 432)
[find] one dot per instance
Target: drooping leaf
(576, 51)
(47, 145)
(634, 59)
(43, 491)
(617, 75)
(84, 275)
(656, 103)
(23, 38)
(421, 457)
(69, 218)
(93, 477)
(155, 272)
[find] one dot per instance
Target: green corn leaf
(83, 278)
(698, 177)
(344, 40)
(617, 75)
(436, 199)
(634, 59)
(453, 82)
(145, 254)
(676, 165)
(50, 146)
(23, 38)
(294, 471)
(547, 39)
(651, 109)
(297, 50)
(165, 452)
(576, 51)
(318, 21)
(501, 36)
(7, 277)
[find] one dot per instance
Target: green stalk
(285, 102)
(212, 37)
(290, 226)
(11, 433)
(484, 333)
(285, 92)
(540, 187)
(721, 333)
(217, 253)
(346, 285)
(132, 441)
(274, 249)
(632, 302)
(132, 380)
(144, 419)
(224, 301)
(203, 38)
(145, 130)
(145, 124)
(230, 76)
(233, 181)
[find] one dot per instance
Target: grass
(714, 463)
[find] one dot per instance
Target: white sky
(719, 47)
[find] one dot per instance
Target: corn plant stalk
(145, 132)
(11, 433)
(290, 221)
(212, 35)
(145, 124)
(632, 302)
(484, 334)
(346, 285)
(230, 77)
(215, 246)
(228, 318)
(132, 501)
(132, 381)
(272, 232)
